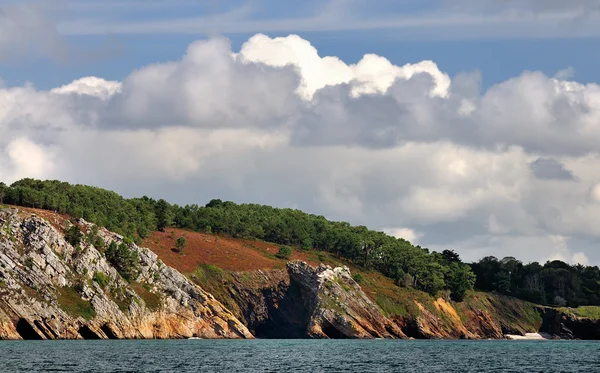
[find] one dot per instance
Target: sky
(471, 125)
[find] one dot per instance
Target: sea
(228, 356)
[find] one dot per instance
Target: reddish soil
(228, 253)
(55, 219)
(224, 252)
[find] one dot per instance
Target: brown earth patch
(57, 220)
(230, 254)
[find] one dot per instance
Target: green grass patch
(101, 279)
(217, 282)
(121, 298)
(391, 307)
(152, 300)
(70, 301)
(590, 312)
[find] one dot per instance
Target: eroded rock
(47, 291)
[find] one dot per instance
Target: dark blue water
(299, 356)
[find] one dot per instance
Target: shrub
(101, 279)
(180, 244)
(285, 252)
(358, 278)
(73, 235)
(99, 244)
(28, 262)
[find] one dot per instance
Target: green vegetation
(73, 235)
(152, 300)
(101, 279)
(217, 282)
(180, 244)
(71, 302)
(285, 252)
(125, 260)
(28, 262)
(410, 266)
(555, 283)
(358, 278)
(591, 312)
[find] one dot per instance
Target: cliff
(324, 302)
(52, 290)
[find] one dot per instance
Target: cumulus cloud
(405, 149)
(90, 86)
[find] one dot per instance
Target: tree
(285, 252)
(3, 188)
(460, 278)
(180, 244)
(74, 235)
(451, 256)
(125, 260)
(163, 216)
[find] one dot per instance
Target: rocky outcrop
(270, 304)
(562, 325)
(337, 306)
(52, 290)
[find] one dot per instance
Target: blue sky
(506, 162)
(499, 38)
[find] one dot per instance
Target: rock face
(51, 290)
(337, 306)
(564, 326)
(270, 304)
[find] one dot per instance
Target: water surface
(299, 356)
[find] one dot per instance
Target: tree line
(554, 283)
(396, 258)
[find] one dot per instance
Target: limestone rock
(337, 306)
(47, 291)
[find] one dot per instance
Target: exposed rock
(269, 304)
(337, 306)
(47, 291)
(566, 326)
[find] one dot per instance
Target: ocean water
(299, 356)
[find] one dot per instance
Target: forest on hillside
(554, 283)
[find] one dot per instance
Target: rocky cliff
(51, 290)
(325, 302)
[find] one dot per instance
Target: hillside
(554, 283)
(107, 287)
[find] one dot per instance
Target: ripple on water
(300, 356)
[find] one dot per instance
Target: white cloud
(406, 233)
(372, 74)
(91, 86)
(406, 148)
(24, 158)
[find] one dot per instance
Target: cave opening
(86, 333)
(333, 333)
(108, 331)
(26, 331)
(287, 316)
